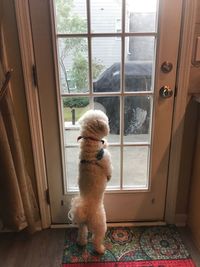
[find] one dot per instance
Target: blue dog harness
(99, 156)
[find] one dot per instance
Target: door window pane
(137, 118)
(138, 76)
(105, 16)
(73, 109)
(139, 59)
(140, 48)
(111, 107)
(135, 167)
(71, 16)
(73, 65)
(141, 15)
(71, 167)
(106, 57)
(114, 182)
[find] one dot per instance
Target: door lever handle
(166, 91)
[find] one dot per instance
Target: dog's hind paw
(82, 242)
(100, 249)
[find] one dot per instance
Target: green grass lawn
(78, 113)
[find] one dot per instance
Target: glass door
(108, 56)
(106, 60)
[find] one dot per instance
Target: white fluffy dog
(95, 169)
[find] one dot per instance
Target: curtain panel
(18, 204)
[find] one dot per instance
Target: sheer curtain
(18, 205)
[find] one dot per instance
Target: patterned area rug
(130, 247)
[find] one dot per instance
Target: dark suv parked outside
(136, 108)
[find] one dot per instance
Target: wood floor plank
(43, 249)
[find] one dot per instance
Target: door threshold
(114, 224)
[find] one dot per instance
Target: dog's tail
(78, 211)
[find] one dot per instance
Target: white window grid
(121, 94)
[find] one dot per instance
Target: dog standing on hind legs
(95, 170)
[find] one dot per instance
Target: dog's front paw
(100, 249)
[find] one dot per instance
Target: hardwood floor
(44, 249)
(194, 252)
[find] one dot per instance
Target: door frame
(27, 55)
(182, 84)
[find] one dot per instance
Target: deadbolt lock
(166, 91)
(166, 67)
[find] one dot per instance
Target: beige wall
(194, 201)
(195, 72)
(186, 164)
(17, 83)
(188, 198)
(189, 135)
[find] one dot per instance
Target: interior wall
(17, 82)
(194, 198)
(193, 212)
(190, 129)
(188, 145)
(194, 86)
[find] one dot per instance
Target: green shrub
(75, 102)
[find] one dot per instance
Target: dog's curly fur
(87, 209)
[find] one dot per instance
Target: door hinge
(47, 196)
(34, 74)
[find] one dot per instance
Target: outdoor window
(106, 57)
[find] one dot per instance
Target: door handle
(166, 91)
